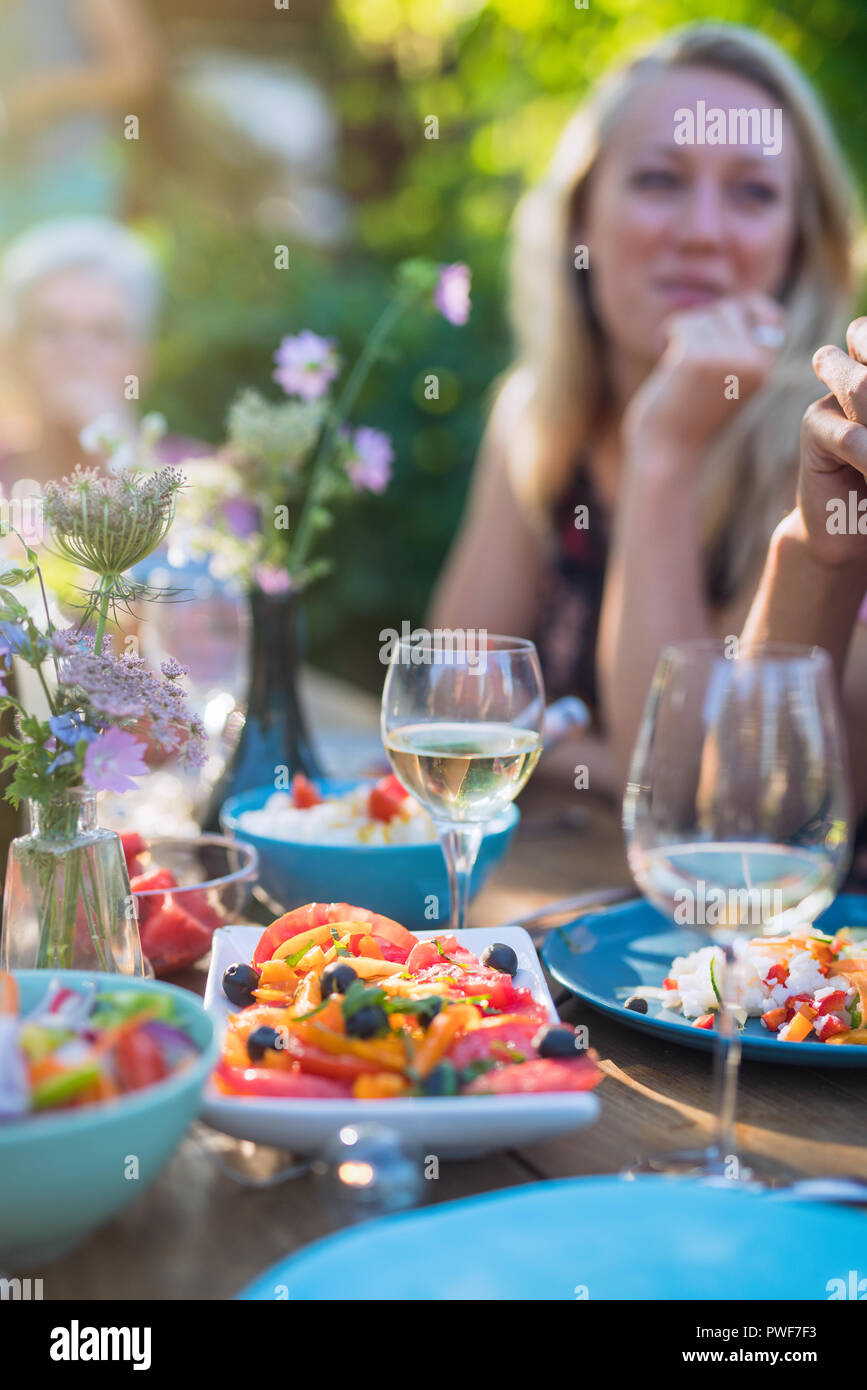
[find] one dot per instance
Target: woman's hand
(834, 456)
(689, 395)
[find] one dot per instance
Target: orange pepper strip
(309, 995)
(444, 1029)
(380, 1085)
(315, 936)
(387, 1052)
(798, 1029)
(277, 972)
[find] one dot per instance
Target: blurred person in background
(79, 299)
(626, 490)
(78, 304)
(70, 71)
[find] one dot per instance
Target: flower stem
(345, 401)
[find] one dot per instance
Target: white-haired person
(79, 299)
(667, 294)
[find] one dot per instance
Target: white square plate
(450, 1127)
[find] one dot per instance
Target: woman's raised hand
(716, 356)
(832, 483)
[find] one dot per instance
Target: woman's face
(674, 226)
(76, 345)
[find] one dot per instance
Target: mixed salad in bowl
(381, 814)
(806, 986)
(83, 1045)
(341, 1002)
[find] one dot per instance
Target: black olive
(336, 978)
(442, 1081)
(261, 1040)
(637, 1003)
(367, 1022)
(426, 1015)
(557, 1041)
(239, 981)
(499, 956)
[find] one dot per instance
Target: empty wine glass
(738, 797)
(462, 723)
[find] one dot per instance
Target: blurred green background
(501, 77)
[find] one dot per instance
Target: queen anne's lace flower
(109, 523)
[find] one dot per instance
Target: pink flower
(452, 293)
(112, 760)
(306, 365)
(370, 459)
(271, 579)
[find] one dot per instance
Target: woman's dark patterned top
(570, 599)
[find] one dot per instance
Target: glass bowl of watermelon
(185, 887)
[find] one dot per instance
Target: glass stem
(460, 846)
(727, 1058)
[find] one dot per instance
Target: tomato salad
(82, 1045)
(339, 1001)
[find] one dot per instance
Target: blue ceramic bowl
(405, 882)
(66, 1172)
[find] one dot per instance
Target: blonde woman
(666, 299)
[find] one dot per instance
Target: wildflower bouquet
(260, 507)
(103, 712)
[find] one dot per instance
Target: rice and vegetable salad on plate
(804, 986)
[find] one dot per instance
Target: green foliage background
(501, 77)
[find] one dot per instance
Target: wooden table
(197, 1234)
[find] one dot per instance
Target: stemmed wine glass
(462, 724)
(738, 800)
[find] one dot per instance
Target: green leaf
(361, 996)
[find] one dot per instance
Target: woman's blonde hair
(749, 470)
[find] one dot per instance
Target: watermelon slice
(172, 938)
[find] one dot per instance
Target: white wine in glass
(738, 797)
(463, 738)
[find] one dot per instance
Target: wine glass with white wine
(462, 723)
(738, 797)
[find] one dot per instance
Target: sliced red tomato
(386, 798)
(496, 1040)
(705, 1021)
(304, 793)
(261, 1081)
(831, 1002)
(311, 915)
(542, 1074)
(827, 1026)
(422, 956)
(778, 974)
(391, 951)
(138, 1059)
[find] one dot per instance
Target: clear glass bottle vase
(67, 902)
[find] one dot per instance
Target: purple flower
(242, 517)
(452, 293)
(370, 459)
(112, 760)
(306, 365)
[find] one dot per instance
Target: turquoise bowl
(405, 882)
(62, 1174)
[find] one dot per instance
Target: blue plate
(606, 955)
(596, 1238)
